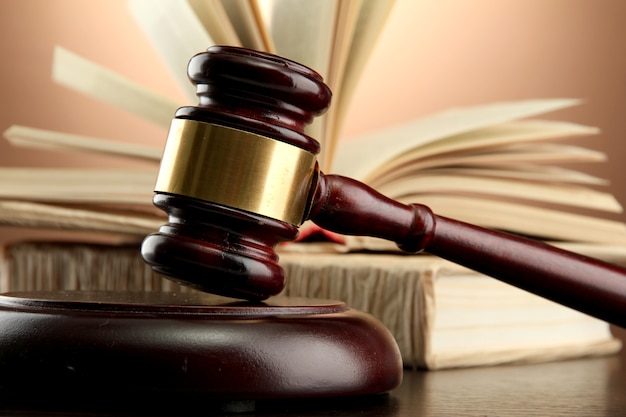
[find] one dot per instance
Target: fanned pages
(482, 141)
(176, 32)
(510, 155)
(345, 26)
(87, 77)
(355, 157)
(369, 24)
(244, 16)
(215, 20)
(131, 186)
(495, 165)
(42, 138)
(39, 215)
(526, 172)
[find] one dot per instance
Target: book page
(244, 18)
(80, 74)
(371, 20)
(358, 157)
(345, 26)
(503, 169)
(59, 141)
(524, 192)
(505, 139)
(512, 155)
(176, 33)
(216, 22)
(488, 139)
(75, 185)
(48, 216)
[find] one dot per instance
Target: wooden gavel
(239, 175)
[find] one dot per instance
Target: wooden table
(589, 387)
(585, 387)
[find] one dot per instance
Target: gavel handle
(588, 285)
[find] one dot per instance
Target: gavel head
(237, 173)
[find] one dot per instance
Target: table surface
(583, 387)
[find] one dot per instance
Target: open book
(498, 165)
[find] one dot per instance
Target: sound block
(120, 345)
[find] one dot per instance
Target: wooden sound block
(118, 345)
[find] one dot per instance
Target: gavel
(239, 176)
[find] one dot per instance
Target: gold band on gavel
(237, 169)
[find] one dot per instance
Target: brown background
(434, 55)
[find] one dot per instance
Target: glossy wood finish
(64, 346)
(591, 286)
(217, 249)
(212, 247)
(593, 387)
(257, 92)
